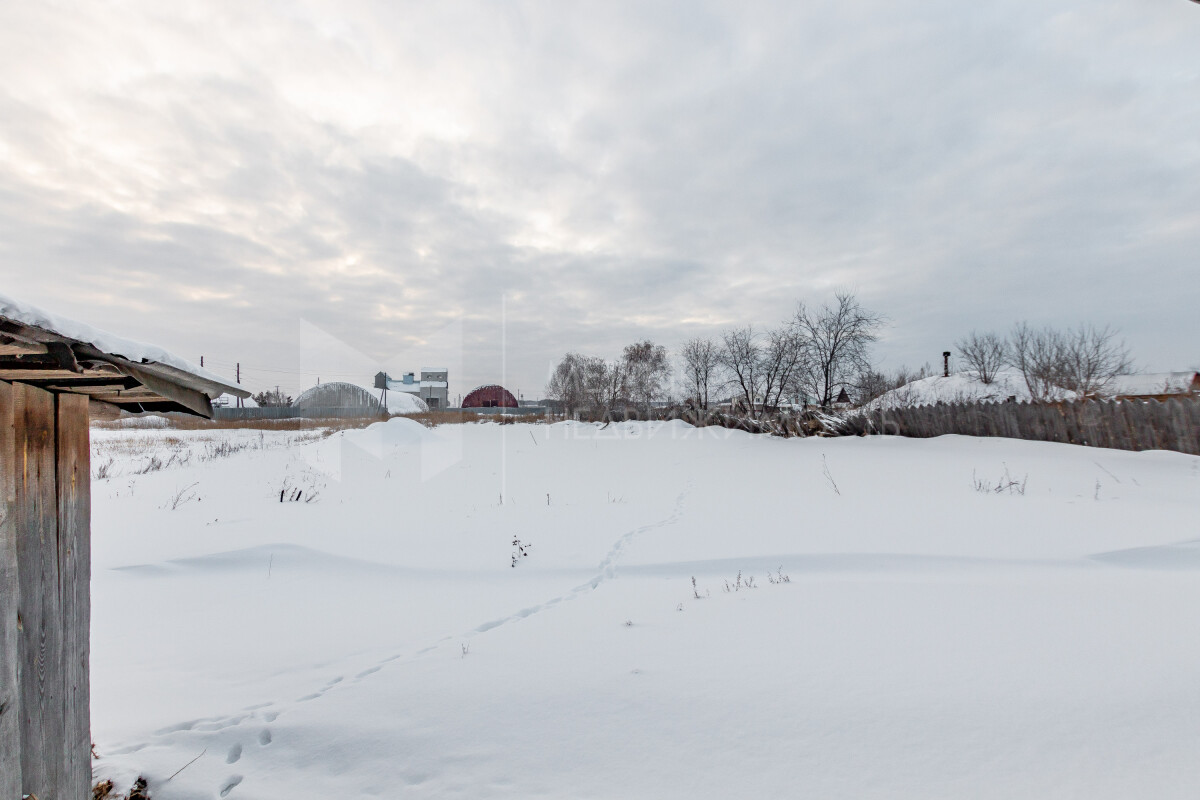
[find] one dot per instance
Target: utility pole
(201, 361)
(239, 380)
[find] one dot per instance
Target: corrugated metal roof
(63, 355)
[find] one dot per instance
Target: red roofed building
(490, 396)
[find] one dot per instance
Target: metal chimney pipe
(946, 364)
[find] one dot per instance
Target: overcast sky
(323, 189)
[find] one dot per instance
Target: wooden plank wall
(10, 696)
(1123, 425)
(48, 519)
(73, 471)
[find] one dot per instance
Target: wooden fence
(1118, 424)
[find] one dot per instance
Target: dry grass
(434, 418)
(187, 422)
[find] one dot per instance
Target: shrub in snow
(739, 584)
(778, 577)
(1006, 484)
(520, 550)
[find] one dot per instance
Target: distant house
(1155, 385)
(432, 388)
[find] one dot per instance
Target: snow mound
(262, 559)
(397, 431)
(960, 387)
(1182, 555)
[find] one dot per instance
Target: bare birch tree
(647, 371)
(578, 382)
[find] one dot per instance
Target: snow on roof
(405, 403)
(136, 352)
(434, 369)
(433, 384)
(960, 387)
(1153, 383)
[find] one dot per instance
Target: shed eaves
(63, 355)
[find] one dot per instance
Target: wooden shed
(54, 375)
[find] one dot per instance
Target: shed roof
(63, 355)
(1153, 384)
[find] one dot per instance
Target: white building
(433, 386)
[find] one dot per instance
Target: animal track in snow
(607, 569)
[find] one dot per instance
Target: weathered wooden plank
(73, 474)
(40, 644)
(98, 409)
(10, 695)
(21, 349)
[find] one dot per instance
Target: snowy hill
(960, 387)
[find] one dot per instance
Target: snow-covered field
(910, 631)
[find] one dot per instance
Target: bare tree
(740, 357)
(872, 384)
(1092, 357)
(700, 367)
(614, 386)
(1040, 355)
(761, 367)
(647, 371)
(838, 338)
(781, 360)
(984, 354)
(578, 382)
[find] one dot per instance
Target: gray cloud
(220, 179)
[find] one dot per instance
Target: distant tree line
(638, 378)
(272, 398)
(806, 360)
(817, 353)
(1083, 360)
